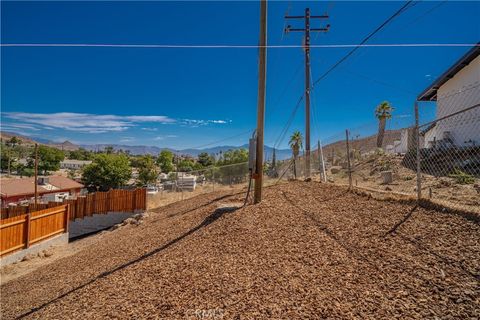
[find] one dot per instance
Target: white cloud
(161, 119)
(95, 123)
(17, 131)
(10, 126)
(84, 122)
(127, 139)
(158, 138)
(196, 123)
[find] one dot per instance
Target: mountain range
(367, 144)
(281, 154)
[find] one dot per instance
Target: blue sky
(184, 98)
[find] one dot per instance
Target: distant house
(74, 164)
(455, 90)
(49, 188)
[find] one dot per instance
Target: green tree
(7, 158)
(48, 159)
(136, 161)
(296, 143)
(107, 171)
(14, 141)
(272, 168)
(11, 152)
(233, 166)
(80, 154)
(147, 170)
(233, 157)
(165, 161)
(205, 159)
(382, 112)
(23, 170)
(185, 165)
(108, 149)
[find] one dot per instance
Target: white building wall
(459, 93)
(401, 146)
(430, 137)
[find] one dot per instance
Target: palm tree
(295, 144)
(382, 112)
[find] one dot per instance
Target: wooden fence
(94, 203)
(22, 230)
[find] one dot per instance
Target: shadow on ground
(218, 213)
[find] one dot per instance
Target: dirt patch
(164, 198)
(309, 250)
(366, 173)
(32, 262)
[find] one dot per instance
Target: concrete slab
(97, 222)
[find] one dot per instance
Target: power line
(239, 46)
(314, 108)
(288, 124)
(284, 91)
(362, 43)
(221, 140)
(307, 30)
(287, 86)
(381, 82)
(438, 5)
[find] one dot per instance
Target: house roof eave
(430, 93)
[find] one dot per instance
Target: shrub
(462, 177)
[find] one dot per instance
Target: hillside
(308, 251)
(4, 135)
(66, 145)
(281, 154)
(366, 144)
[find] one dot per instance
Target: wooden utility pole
(262, 74)
(306, 47)
(36, 175)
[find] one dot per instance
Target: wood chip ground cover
(309, 250)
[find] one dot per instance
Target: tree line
(113, 168)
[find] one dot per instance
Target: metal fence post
(322, 162)
(213, 178)
(417, 147)
(348, 162)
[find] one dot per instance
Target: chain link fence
(448, 166)
(177, 186)
(449, 163)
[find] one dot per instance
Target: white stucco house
(74, 164)
(457, 89)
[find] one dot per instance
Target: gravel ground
(307, 251)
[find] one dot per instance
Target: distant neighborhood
(67, 174)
